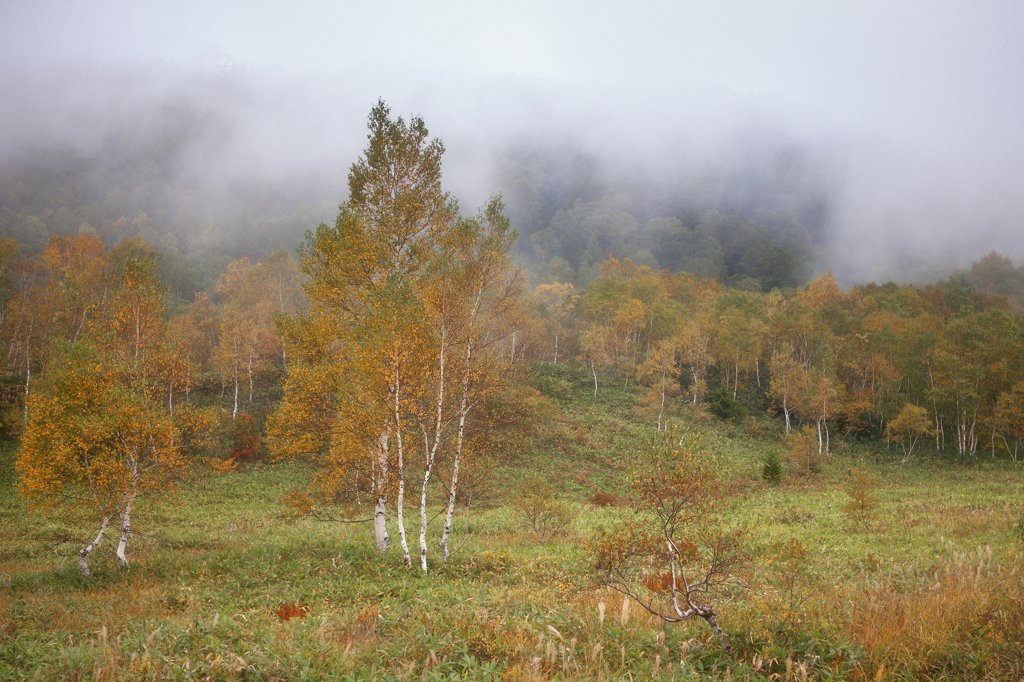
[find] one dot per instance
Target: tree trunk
(83, 554)
(401, 478)
(594, 372)
(431, 453)
(709, 618)
(126, 514)
(456, 464)
(661, 412)
(380, 519)
(453, 489)
(401, 514)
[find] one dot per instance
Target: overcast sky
(924, 99)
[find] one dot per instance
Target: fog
(891, 129)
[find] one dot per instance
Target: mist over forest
(215, 161)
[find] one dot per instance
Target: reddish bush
(246, 442)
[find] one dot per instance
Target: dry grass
(924, 618)
(961, 521)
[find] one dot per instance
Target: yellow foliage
(222, 466)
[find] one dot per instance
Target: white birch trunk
(431, 457)
(453, 489)
(83, 554)
(28, 376)
(401, 473)
(380, 519)
(126, 510)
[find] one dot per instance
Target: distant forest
(708, 296)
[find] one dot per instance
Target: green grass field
(927, 584)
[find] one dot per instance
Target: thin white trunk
(556, 348)
(126, 508)
(83, 554)
(464, 407)
(431, 455)
(250, 376)
(28, 376)
(380, 519)
(661, 412)
(453, 490)
(234, 413)
(594, 372)
(401, 472)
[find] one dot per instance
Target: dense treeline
(852, 361)
(878, 361)
(62, 295)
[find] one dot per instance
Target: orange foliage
(289, 610)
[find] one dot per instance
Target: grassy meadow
(924, 580)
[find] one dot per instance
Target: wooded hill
(405, 327)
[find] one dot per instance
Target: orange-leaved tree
(409, 310)
(97, 436)
(92, 442)
(359, 271)
(672, 555)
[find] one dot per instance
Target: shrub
(861, 506)
(537, 507)
(805, 458)
(672, 557)
(603, 499)
(246, 442)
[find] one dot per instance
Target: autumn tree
(97, 436)
(908, 427)
(787, 382)
(1010, 417)
(672, 555)
(412, 306)
(555, 302)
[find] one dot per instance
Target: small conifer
(772, 469)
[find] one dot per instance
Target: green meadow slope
(921, 580)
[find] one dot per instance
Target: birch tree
(383, 236)
(96, 435)
(672, 556)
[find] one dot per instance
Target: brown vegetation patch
(963, 521)
(290, 610)
(966, 596)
